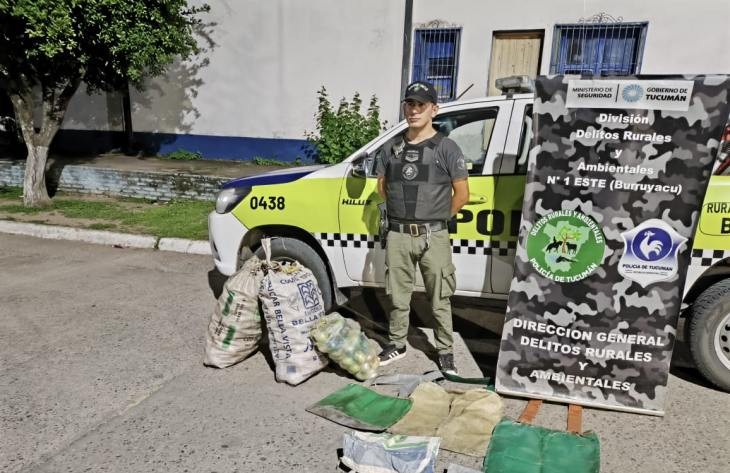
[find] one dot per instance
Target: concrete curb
(180, 245)
(102, 237)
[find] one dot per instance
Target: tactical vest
(417, 184)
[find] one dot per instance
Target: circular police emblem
(632, 93)
(651, 251)
(565, 246)
(651, 244)
(410, 171)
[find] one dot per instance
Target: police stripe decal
(483, 247)
(347, 240)
(708, 258)
(704, 258)
(458, 246)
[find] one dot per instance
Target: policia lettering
(490, 222)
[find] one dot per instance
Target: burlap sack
(462, 419)
(292, 303)
(235, 328)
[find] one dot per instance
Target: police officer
(423, 178)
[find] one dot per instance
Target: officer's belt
(416, 229)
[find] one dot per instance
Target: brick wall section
(141, 184)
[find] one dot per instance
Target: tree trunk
(128, 129)
(35, 193)
(37, 143)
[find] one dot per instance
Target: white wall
(682, 37)
(271, 56)
(269, 60)
(98, 111)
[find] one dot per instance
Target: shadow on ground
(480, 326)
(216, 280)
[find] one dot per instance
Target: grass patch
(21, 209)
(101, 226)
(183, 155)
(261, 161)
(11, 192)
(180, 219)
(97, 210)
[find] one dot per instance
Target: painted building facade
(253, 91)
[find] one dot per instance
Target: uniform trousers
(432, 254)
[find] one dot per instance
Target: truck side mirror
(362, 166)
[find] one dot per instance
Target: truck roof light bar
(515, 85)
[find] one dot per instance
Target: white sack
(235, 328)
(292, 303)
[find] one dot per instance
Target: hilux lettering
(355, 202)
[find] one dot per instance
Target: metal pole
(406, 61)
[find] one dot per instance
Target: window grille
(436, 59)
(600, 49)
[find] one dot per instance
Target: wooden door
(514, 53)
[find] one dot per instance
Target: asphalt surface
(101, 370)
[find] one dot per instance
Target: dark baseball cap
(421, 91)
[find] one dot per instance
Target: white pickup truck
(327, 218)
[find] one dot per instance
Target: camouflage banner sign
(616, 179)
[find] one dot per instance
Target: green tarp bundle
(361, 408)
(519, 447)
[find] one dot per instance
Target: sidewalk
(103, 237)
(143, 177)
(202, 167)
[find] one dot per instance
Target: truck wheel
(709, 334)
(290, 249)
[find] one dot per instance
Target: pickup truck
(327, 218)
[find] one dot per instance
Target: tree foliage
(50, 46)
(342, 131)
(104, 43)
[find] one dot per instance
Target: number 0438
(270, 202)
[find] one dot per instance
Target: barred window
(436, 59)
(602, 49)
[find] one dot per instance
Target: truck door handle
(476, 199)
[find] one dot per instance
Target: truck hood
(272, 177)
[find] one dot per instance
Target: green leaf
(341, 131)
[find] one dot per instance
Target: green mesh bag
(519, 447)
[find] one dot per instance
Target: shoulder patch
(397, 147)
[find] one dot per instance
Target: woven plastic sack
(464, 420)
(292, 303)
(234, 331)
(385, 453)
(454, 468)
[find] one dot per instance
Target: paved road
(101, 370)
